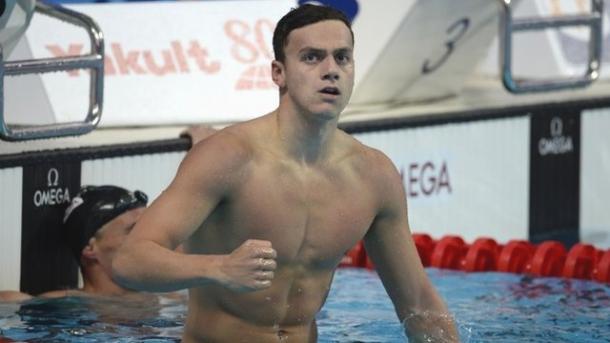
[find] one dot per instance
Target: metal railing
(93, 61)
(508, 25)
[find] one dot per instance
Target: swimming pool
(489, 307)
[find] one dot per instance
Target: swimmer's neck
(98, 282)
(307, 138)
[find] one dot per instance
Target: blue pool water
(489, 307)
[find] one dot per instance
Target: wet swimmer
(267, 208)
(96, 223)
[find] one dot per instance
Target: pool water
(489, 307)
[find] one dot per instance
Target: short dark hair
(303, 15)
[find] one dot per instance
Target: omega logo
(557, 144)
(426, 179)
(556, 127)
(52, 177)
(53, 195)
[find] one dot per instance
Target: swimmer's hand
(250, 267)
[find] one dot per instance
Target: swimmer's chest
(313, 218)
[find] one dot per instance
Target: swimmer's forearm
(147, 266)
(434, 325)
(429, 320)
(431, 328)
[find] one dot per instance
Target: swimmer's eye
(311, 57)
(343, 58)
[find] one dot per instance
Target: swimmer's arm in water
(208, 174)
(392, 250)
(14, 296)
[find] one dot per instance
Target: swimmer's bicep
(389, 244)
(169, 220)
(204, 178)
(392, 200)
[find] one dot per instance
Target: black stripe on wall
(554, 176)
(46, 261)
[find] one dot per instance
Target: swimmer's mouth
(330, 90)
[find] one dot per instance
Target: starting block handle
(93, 61)
(508, 25)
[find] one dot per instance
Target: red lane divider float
(354, 257)
(448, 253)
(580, 262)
(601, 272)
(425, 246)
(482, 256)
(549, 258)
(515, 257)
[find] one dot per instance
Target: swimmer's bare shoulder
(212, 172)
(228, 151)
(227, 148)
(209, 173)
(371, 165)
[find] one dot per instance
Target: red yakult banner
(192, 62)
(168, 62)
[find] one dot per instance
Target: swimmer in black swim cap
(96, 223)
(94, 206)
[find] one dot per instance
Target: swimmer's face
(317, 75)
(109, 238)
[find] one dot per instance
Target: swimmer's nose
(331, 70)
(331, 75)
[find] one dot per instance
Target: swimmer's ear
(88, 251)
(278, 73)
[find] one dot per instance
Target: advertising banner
(469, 179)
(46, 262)
(209, 61)
(167, 62)
(554, 176)
(594, 183)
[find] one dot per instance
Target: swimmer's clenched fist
(250, 267)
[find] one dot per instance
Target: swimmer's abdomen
(293, 300)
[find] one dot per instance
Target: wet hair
(94, 206)
(303, 15)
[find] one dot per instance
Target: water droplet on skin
(268, 298)
(276, 327)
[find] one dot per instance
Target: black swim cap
(94, 206)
